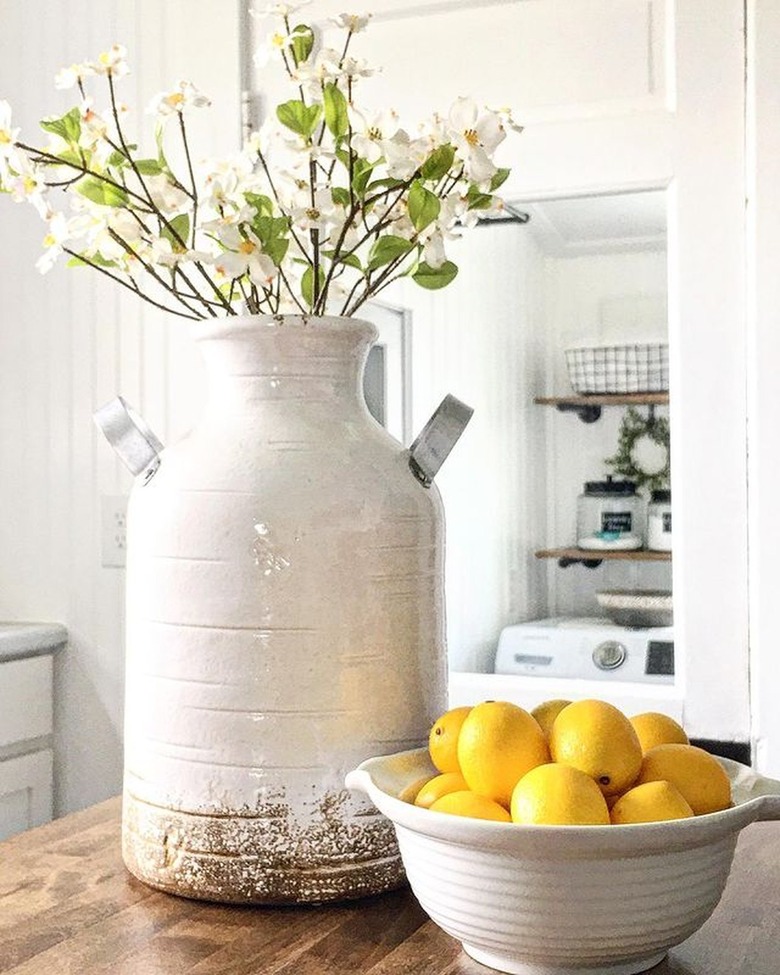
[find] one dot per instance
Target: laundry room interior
(548, 277)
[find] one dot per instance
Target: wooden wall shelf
(594, 557)
(588, 408)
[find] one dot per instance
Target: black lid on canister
(610, 487)
(663, 495)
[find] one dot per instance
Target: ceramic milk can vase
(285, 621)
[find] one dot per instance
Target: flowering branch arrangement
(324, 207)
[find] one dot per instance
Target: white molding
(763, 308)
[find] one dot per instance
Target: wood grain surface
(69, 907)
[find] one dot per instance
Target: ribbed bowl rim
(382, 778)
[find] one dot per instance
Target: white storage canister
(659, 521)
(610, 515)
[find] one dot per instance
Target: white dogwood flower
(275, 45)
(61, 231)
(111, 62)
(178, 100)
(8, 134)
(25, 180)
(475, 137)
(244, 256)
(320, 213)
(372, 133)
(403, 155)
(281, 9)
(354, 23)
(71, 76)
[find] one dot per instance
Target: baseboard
(739, 751)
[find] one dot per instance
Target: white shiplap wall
(69, 342)
(480, 340)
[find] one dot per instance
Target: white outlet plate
(113, 534)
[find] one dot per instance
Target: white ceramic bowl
(560, 900)
(636, 607)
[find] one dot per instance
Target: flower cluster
(324, 206)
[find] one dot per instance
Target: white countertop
(19, 640)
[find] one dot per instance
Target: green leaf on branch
(302, 43)
(433, 278)
(68, 127)
(340, 196)
(68, 157)
(336, 117)
(276, 249)
(148, 167)
(478, 200)
(159, 135)
(439, 163)
(261, 203)
(177, 231)
(424, 206)
(350, 260)
(117, 159)
(499, 178)
(307, 284)
(93, 259)
(102, 193)
(387, 249)
(300, 118)
(267, 227)
(361, 173)
(387, 183)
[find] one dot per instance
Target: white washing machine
(579, 658)
(587, 649)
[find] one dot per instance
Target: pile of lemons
(567, 763)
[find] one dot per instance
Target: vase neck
(260, 359)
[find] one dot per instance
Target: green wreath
(633, 429)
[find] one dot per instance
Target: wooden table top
(69, 907)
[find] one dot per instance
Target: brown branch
(134, 288)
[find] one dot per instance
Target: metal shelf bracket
(587, 412)
(566, 561)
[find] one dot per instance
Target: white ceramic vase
(285, 621)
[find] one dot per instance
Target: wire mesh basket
(639, 368)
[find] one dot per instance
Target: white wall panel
(477, 339)
(68, 343)
(763, 387)
(537, 55)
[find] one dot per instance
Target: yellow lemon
(443, 739)
(410, 791)
(558, 795)
(467, 803)
(598, 739)
(650, 802)
(653, 729)
(439, 786)
(498, 743)
(546, 712)
(698, 775)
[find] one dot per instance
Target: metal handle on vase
(131, 437)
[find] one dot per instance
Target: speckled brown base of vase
(255, 859)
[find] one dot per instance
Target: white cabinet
(25, 792)
(26, 724)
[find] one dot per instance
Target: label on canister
(616, 521)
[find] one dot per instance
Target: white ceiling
(598, 224)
